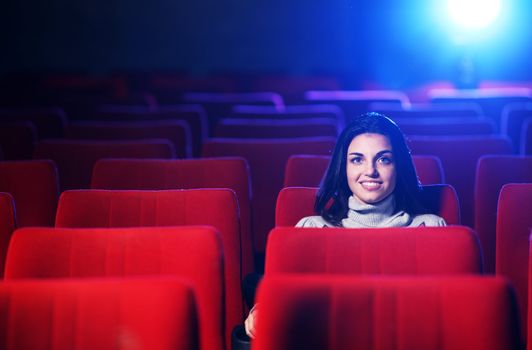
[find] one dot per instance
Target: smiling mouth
(371, 185)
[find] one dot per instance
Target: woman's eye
(356, 160)
(385, 160)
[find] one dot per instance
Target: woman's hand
(251, 321)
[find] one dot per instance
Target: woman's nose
(371, 170)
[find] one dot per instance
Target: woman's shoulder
(313, 222)
(427, 220)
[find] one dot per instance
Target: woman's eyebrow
(383, 152)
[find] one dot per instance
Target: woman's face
(370, 168)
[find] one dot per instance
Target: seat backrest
(135, 208)
(459, 156)
(267, 159)
(447, 126)
(512, 118)
(75, 158)
(492, 173)
(219, 105)
(166, 174)
(513, 228)
(17, 139)
(304, 170)
(381, 251)
(158, 314)
(356, 102)
(275, 128)
(177, 131)
(525, 148)
(34, 185)
(7, 225)
(305, 111)
(294, 203)
(338, 312)
(194, 115)
(192, 253)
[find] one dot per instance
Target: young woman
(370, 182)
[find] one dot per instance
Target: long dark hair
(333, 194)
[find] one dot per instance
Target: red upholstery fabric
(354, 103)
(163, 174)
(275, 128)
(294, 203)
(17, 139)
(215, 207)
(529, 318)
(325, 312)
(34, 185)
(193, 115)
(492, 173)
(512, 118)
(98, 314)
(267, 159)
(513, 228)
(293, 88)
(303, 170)
(75, 158)
(7, 225)
(459, 156)
(177, 131)
(492, 100)
(429, 111)
(526, 138)
(192, 253)
(290, 112)
(446, 126)
(393, 251)
(220, 105)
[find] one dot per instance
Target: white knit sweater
(382, 214)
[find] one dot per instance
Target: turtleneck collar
(381, 214)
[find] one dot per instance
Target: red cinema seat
(293, 88)
(512, 119)
(17, 139)
(356, 102)
(459, 156)
(304, 170)
(491, 100)
(429, 111)
(167, 174)
(339, 312)
(513, 229)
(451, 126)
(275, 128)
(34, 185)
(156, 314)
(492, 173)
(267, 159)
(7, 225)
(294, 203)
(215, 207)
(525, 148)
(177, 131)
(194, 115)
(191, 253)
(75, 158)
(220, 104)
(330, 112)
(376, 251)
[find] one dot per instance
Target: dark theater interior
(266, 175)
